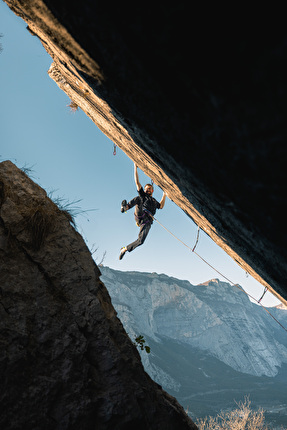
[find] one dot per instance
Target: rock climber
(145, 208)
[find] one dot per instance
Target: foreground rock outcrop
(65, 359)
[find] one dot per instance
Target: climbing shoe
(124, 206)
(122, 253)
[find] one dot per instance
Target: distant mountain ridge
(214, 317)
(209, 343)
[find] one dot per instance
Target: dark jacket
(145, 205)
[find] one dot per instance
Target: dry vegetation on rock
(241, 418)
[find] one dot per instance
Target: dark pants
(143, 220)
(144, 229)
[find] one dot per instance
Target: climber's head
(148, 189)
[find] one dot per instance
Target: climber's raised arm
(137, 178)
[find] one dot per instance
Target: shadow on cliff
(66, 361)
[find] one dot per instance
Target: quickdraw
(264, 292)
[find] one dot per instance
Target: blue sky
(72, 159)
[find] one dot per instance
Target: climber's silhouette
(145, 208)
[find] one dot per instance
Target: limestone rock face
(65, 359)
(214, 317)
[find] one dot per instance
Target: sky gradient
(72, 159)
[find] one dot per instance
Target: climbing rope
(241, 289)
(217, 271)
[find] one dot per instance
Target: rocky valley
(209, 344)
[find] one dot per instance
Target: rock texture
(196, 98)
(65, 360)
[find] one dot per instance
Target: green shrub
(139, 342)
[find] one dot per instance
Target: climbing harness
(141, 217)
(217, 271)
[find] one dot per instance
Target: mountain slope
(209, 343)
(214, 317)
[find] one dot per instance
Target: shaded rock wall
(196, 99)
(65, 359)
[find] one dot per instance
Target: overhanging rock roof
(198, 101)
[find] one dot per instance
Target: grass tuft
(28, 170)
(71, 209)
